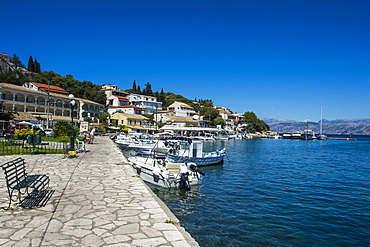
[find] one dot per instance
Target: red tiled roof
(121, 98)
(53, 89)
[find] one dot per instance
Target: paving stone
(149, 242)
(97, 201)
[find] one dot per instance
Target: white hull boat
(158, 171)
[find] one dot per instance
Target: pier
(98, 200)
(349, 138)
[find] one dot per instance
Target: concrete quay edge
(98, 201)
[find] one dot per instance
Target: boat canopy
(179, 138)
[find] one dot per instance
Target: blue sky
(280, 59)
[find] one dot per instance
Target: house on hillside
(232, 120)
(148, 103)
(181, 109)
(116, 100)
(130, 109)
(135, 122)
(117, 97)
(45, 88)
(179, 122)
(110, 90)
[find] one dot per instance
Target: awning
(24, 123)
(176, 128)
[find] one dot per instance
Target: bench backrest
(15, 171)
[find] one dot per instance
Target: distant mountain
(274, 120)
(359, 126)
(353, 120)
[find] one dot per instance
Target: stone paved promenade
(98, 201)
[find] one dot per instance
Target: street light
(72, 145)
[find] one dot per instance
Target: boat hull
(160, 177)
(206, 161)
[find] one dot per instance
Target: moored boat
(192, 151)
(159, 171)
(296, 135)
(307, 135)
(287, 136)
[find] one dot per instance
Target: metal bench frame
(17, 179)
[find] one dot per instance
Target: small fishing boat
(188, 150)
(158, 171)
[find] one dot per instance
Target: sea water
(280, 193)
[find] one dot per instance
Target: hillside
(339, 126)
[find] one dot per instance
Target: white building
(46, 103)
(129, 109)
(117, 101)
(117, 98)
(181, 109)
(148, 103)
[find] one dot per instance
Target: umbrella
(24, 123)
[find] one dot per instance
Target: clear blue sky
(280, 58)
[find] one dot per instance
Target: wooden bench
(17, 179)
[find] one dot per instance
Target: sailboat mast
(321, 121)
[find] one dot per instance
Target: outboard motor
(184, 177)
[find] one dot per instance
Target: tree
(254, 124)
(134, 86)
(30, 64)
(6, 115)
(63, 129)
(16, 61)
(13, 77)
(36, 67)
(22, 134)
(209, 113)
(124, 128)
(219, 121)
(160, 97)
(148, 89)
(103, 117)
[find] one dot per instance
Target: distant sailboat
(321, 136)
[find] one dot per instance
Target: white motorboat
(287, 136)
(192, 151)
(141, 146)
(296, 135)
(159, 171)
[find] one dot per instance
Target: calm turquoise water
(280, 193)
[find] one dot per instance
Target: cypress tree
(36, 66)
(30, 64)
(134, 86)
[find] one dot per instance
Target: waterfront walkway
(98, 201)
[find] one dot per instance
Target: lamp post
(72, 103)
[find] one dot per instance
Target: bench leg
(11, 197)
